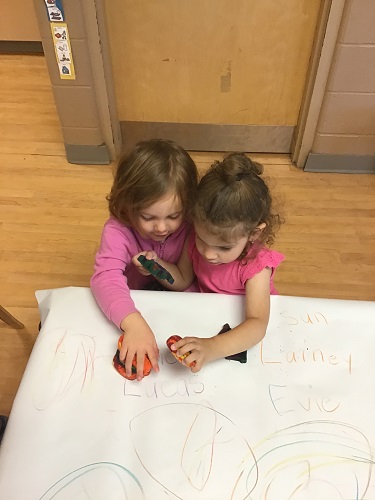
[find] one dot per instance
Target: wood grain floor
(52, 213)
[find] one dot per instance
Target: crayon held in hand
(172, 340)
(155, 269)
(120, 367)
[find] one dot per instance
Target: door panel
(18, 21)
(241, 62)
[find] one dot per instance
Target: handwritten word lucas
(304, 356)
(166, 389)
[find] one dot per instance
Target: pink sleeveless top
(231, 278)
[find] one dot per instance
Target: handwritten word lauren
(304, 356)
(166, 389)
(285, 400)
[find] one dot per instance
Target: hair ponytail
(244, 163)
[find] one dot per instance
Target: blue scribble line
(85, 470)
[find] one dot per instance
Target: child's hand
(138, 340)
(201, 351)
(149, 254)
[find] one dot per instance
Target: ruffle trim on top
(264, 258)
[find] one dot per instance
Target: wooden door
(212, 74)
(18, 21)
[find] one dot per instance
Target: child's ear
(255, 234)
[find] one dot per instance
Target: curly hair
(151, 170)
(233, 199)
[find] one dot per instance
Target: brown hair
(233, 198)
(146, 174)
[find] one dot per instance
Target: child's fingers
(140, 364)
(126, 357)
(190, 359)
(153, 356)
(195, 367)
(178, 344)
(135, 260)
(188, 350)
(150, 255)
(145, 365)
(138, 265)
(183, 346)
(123, 352)
(128, 361)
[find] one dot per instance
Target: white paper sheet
(295, 422)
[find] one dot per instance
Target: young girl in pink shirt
(227, 252)
(150, 204)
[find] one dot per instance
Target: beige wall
(18, 21)
(346, 124)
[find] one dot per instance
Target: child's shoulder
(114, 231)
(258, 259)
(114, 225)
(117, 237)
(270, 258)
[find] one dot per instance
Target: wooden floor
(52, 213)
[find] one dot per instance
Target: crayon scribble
(97, 481)
(70, 366)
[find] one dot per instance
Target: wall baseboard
(87, 155)
(343, 164)
(211, 137)
(20, 47)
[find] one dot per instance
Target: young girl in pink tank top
(227, 251)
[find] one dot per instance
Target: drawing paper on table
(294, 422)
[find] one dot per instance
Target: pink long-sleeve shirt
(114, 272)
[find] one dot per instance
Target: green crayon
(155, 269)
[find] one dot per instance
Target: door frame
(320, 63)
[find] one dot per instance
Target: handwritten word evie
(285, 400)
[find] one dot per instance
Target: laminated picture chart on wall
(63, 51)
(55, 10)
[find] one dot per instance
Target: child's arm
(182, 272)
(244, 336)
(111, 291)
